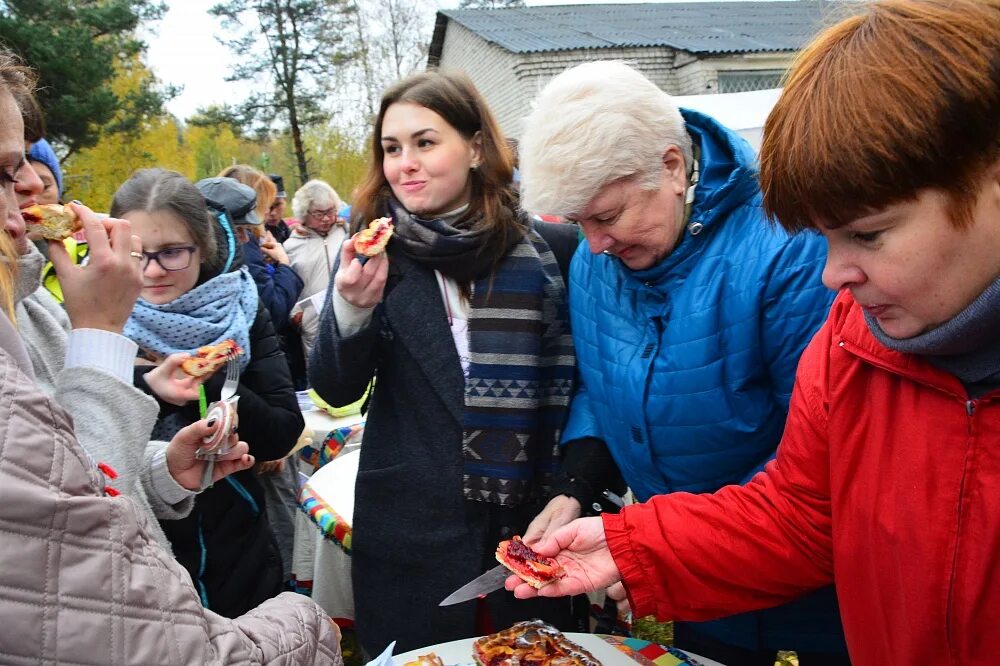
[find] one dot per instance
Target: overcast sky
(183, 51)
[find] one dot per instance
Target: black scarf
(461, 251)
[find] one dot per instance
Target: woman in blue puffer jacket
(689, 313)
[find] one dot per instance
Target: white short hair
(591, 125)
(316, 192)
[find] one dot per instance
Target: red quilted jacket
(887, 482)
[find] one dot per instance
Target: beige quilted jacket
(82, 581)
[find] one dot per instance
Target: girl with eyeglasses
(197, 292)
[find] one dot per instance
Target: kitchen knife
(480, 586)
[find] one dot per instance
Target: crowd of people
(789, 359)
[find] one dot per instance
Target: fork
(232, 378)
(228, 391)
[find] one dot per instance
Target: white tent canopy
(743, 112)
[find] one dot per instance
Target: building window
(742, 80)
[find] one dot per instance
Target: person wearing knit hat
(43, 159)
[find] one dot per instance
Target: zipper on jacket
(970, 411)
(639, 431)
(202, 590)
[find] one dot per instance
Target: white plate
(460, 652)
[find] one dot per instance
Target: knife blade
(479, 586)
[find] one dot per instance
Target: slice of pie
(51, 221)
(536, 570)
(372, 241)
(426, 660)
(210, 358)
(531, 643)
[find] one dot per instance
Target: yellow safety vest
(77, 251)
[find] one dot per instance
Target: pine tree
(77, 47)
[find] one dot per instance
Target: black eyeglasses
(328, 214)
(169, 259)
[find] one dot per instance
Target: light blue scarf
(222, 308)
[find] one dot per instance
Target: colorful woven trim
(650, 654)
(331, 447)
(329, 522)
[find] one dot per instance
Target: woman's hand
(187, 470)
(274, 250)
(582, 550)
(361, 285)
(102, 293)
(172, 384)
(561, 510)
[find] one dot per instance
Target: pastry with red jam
(210, 358)
(536, 570)
(51, 221)
(371, 242)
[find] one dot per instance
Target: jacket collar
(728, 169)
(728, 179)
(850, 331)
(11, 343)
(29, 273)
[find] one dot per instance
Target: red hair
(902, 98)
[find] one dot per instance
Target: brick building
(686, 48)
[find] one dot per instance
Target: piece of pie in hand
(371, 242)
(536, 570)
(210, 358)
(51, 221)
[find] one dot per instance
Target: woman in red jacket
(887, 141)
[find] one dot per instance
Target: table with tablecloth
(321, 559)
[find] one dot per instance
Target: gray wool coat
(415, 539)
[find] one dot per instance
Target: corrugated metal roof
(697, 27)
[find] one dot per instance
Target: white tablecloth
(320, 562)
(321, 423)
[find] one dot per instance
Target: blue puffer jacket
(687, 367)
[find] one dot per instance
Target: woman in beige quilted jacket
(82, 580)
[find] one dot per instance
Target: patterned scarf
(219, 309)
(456, 251)
(522, 363)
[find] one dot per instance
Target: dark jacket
(226, 543)
(278, 285)
(281, 231)
(415, 538)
